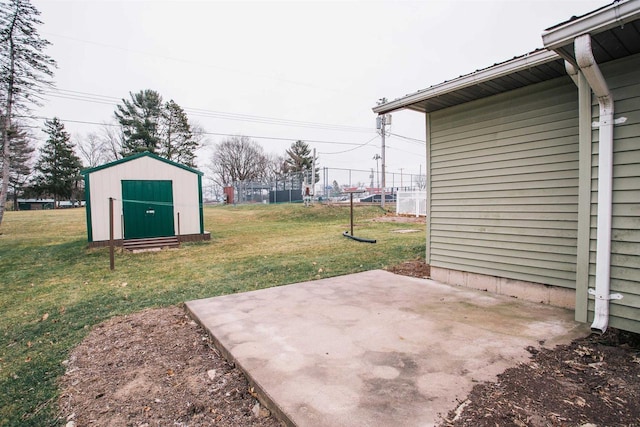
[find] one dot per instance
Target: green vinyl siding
(503, 185)
(624, 82)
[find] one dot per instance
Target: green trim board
(200, 201)
(137, 156)
(87, 196)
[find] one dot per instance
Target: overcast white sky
(321, 62)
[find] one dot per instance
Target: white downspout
(589, 67)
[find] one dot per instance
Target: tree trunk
(6, 159)
(6, 124)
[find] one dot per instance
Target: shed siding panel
(623, 80)
(504, 185)
(105, 183)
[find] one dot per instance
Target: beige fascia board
(617, 14)
(518, 64)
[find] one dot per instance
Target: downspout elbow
(571, 71)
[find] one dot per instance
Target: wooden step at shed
(151, 243)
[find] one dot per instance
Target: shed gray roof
(615, 33)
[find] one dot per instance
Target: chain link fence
(330, 186)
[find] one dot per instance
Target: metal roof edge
(520, 63)
(137, 156)
(616, 14)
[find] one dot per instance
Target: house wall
(503, 185)
(624, 81)
(105, 183)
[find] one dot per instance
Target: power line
(351, 149)
(286, 139)
(201, 112)
(405, 151)
(216, 133)
(408, 138)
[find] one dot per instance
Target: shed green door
(147, 207)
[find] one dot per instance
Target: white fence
(411, 203)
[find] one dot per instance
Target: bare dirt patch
(401, 219)
(415, 268)
(152, 368)
(593, 381)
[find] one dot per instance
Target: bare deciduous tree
(421, 181)
(237, 158)
(112, 137)
(276, 167)
(92, 150)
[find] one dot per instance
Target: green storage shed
(152, 198)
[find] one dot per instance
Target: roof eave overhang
(614, 15)
(518, 64)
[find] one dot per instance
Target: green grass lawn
(54, 289)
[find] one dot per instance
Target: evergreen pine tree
(177, 142)
(21, 155)
(149, 125)
(140, 121)
(58, 167)
(300, 159)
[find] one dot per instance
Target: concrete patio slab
(375, 348)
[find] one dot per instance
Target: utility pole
(382, 121)
(376, 158)
(313, 174)
(384, 182)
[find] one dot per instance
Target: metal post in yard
(351, 197)
(178, 227)
(112, 260)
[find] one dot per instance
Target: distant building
(35, 204)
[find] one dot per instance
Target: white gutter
(525, 62)
(587, 64)
(615, 15)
